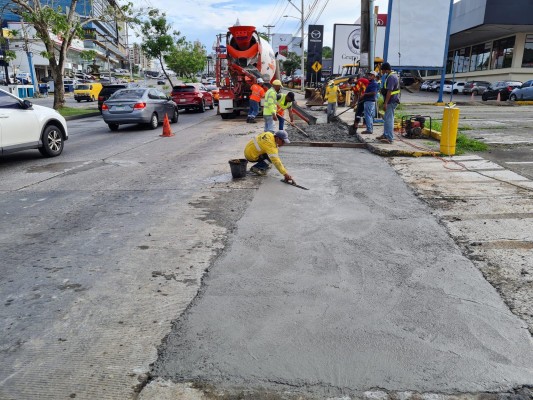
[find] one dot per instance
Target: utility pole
(268, 28)
(301, 11)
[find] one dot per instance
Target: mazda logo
(316, 34)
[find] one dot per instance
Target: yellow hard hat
(277, 82)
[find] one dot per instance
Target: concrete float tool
(292, 183)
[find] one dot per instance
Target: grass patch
(465, 128)
(465, 144)
(72, 111)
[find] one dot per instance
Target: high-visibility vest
(264, 143)
(270, 102)
(282, 106)
(257, 92)
(393, 92)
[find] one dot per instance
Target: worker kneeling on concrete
(263, 148)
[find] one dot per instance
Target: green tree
(186, 58)
(292, 63)
(49, 21)
(158, 38)
(327, 52)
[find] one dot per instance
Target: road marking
(519, 162)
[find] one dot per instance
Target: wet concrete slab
(349, 286)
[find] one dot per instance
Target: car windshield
(82, 87)
(127, 94)
(184, 89)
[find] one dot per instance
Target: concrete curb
(75, 117)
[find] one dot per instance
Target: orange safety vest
(257, 92)
(360, 86)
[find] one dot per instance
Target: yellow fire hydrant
(450, 122)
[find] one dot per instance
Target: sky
(203, 19)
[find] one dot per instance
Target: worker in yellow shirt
(332, 91)
(265, 147)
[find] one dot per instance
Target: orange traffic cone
(167, 132)
(472, 97)
(498, 98)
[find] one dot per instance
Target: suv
(501, 88)
(476, 87)
(192, 96)
(106, 92)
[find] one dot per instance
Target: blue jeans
(281, 122)
(269, 123)
(261, 163)
(369, 115)
(388, 121)
(254, 109)
(332, 108)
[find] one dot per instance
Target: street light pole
(302, 43)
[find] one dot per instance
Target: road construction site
(161, 277)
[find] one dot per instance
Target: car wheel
(202, 107)
(212, 106)
(52, 141)
(175, 117)
(484, 97)
(113, 127)
(512, 97)
(154, 122)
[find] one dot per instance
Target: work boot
(248, 120)
(253, 121)
(258, 171)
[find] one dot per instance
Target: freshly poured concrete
(349, 286)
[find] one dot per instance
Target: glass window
(479, 59)
(502, 53)
(462, 59)
(7, 101)
(527, 59)
(449, 63)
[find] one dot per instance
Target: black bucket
(238, 167)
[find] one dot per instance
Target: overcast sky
(204, 19)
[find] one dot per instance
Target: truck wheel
(78, 100)
(225, 116)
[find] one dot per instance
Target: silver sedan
(138, 106)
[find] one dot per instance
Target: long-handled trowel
(300, 129)
(292, 183)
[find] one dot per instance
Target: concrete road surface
(349, 286)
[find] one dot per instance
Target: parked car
(87, 91)
(435, 86)
(26, 126)
(214, 92)
(138, 106)
(475, 87)
(192, 96)
(504, 88)
(456, 87)
(161, 82)
(426, 84)
(106, 92)
(524, 92)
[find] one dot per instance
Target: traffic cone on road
(167, 132)
(472, 97)
(498, 98)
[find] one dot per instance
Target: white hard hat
(260, 80)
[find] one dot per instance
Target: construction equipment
(349, 74)
(245, 58)
(413, 125)
(292, 183)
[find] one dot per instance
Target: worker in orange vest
(258, 92)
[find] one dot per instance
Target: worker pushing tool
(285, 103)
(264, 147)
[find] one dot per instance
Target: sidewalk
(401, 146)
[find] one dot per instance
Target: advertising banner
(424, 46)
(346, 45)
(315, 40)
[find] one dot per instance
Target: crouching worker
(264, 147)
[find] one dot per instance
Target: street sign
(316, 66)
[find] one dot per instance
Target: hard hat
(260, 80)
(331, 82)
(277, 82)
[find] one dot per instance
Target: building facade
(491, 40)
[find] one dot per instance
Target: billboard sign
(346, 45)
(315, 40)
(424, 46)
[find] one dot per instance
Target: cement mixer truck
(243, 59)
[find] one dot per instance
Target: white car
(25, 126)
(457, 87)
